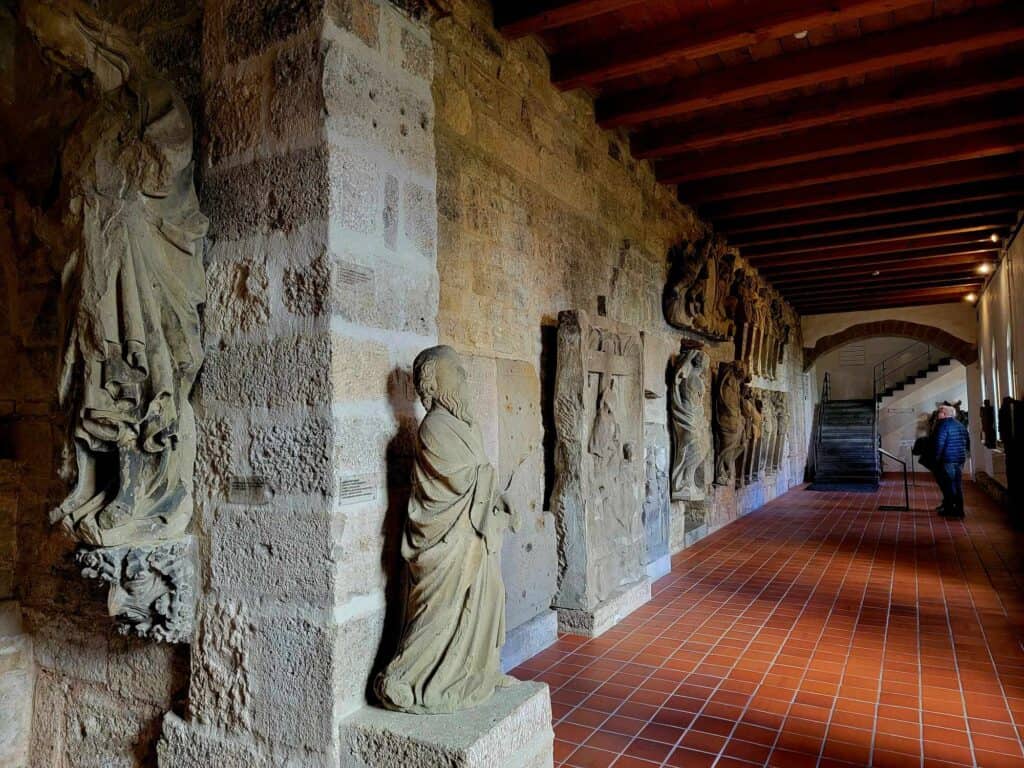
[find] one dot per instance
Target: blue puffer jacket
(952, 442)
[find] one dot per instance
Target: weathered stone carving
(449, 654)
(691, 443)
(780, 404)
(698, 292)
(729, 421)
(752, 409)
(657, 511)
(131, 227)
(769, 433)
(151, 591)
(599, 468)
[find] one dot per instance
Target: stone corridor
(816, 631)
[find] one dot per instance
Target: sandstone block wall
(539, 210)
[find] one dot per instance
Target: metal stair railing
(906, 485)
(890, 373)
(826, 394)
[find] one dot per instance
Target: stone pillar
(320, 186)
(599, 464)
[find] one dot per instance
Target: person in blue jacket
(951, 442)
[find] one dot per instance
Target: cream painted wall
(854, 382)
(959, 319)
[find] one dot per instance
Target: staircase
(846, 446)
(907, 367)
(893, 388)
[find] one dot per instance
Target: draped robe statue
(729, 421)
(449, 654)
(133, 283)
(690, 429)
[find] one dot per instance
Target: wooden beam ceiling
(886, 97)
(991, 28)
(527, 17)
(707, 36)
(864, 164)
(912, 204)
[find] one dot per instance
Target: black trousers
(950, 478)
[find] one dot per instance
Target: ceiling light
(971, 297)
(994, 238)
(876, 273)
(800, 35)
(984, 269)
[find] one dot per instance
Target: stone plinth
(597, 621)
(512, 730)
(598, 498)
(528, 639)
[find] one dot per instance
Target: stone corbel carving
(698, 291)
(131, 229)
(691, 443)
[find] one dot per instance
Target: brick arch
(955, 347)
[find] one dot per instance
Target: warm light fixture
(876, 273)
(800, 35)
(994, 238)
(971, 297)
(985, 269)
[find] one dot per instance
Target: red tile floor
(817, 631)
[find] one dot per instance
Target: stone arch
(955, 347)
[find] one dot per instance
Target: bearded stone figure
(691, 437)
(133, 282)
(729, 421)
(449, 653)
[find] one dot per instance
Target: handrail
(826, 394)
(906, 485)
(883, 371)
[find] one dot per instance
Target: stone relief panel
(691, 433)
(598, 494)
(781, 408)
(730, 421)
(752, 408)
(699, 291)
(128, 219)
(657, 510)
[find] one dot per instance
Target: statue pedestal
(528, 639)
(598, 620)
(512, 730)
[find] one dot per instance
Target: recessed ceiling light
(994, 238)
(800, 35)
(971, 297)
(876, 273)
(984, 269)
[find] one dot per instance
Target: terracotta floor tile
(816, 631)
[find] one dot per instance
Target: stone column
(320, 185)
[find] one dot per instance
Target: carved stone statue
(130, 228)
(752, 409)
(729, 421)
(133, 282)
(988, 424)
(691, 442)
(769, 430)
(151, 587)
(780, 404)
(698, 288)
(449, 653)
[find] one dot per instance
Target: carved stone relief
(769, 430)
(698, 294)
(128, 219)
(599, 465)
(691, 436)
(448, 657)
(752, 408)
(780, 404)
(729, 421)
(657, 511)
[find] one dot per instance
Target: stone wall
(98, 697)
(539, 210)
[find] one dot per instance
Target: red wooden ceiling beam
(860, 136)
(974, 146)
(868, 250)
(826, 305)
(912, 204)
(1001, 208)
(516, 19)
(966, 264)
(707, 35)
(977, 227)
(990, 28)
(857, 189)
(990, 76)
(981, 252)
(868, 286)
